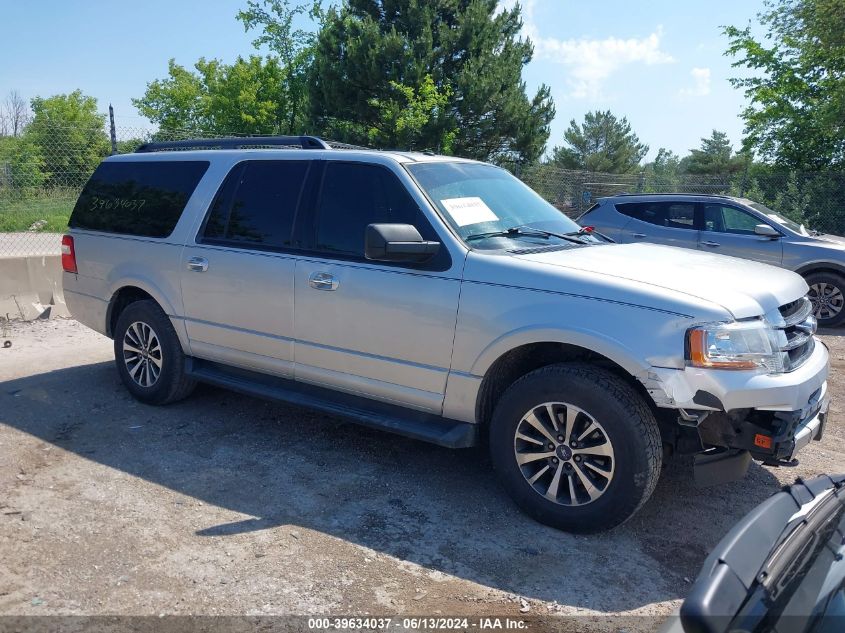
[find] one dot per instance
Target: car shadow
(829, 331)
(438, 508)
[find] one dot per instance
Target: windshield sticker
(470, 210)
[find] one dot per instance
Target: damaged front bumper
(772, 437)
(727, 418)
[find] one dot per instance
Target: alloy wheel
(142, 354)
(564, 453)
(827, 300)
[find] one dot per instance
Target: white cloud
(590, 61)
(700, 83)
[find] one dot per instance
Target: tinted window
(257, 203)
(728, 220)
(355, 195)
(667, 214)
(137, 198)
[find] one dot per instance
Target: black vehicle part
(302, 142)
(720, 466)
(730, 573)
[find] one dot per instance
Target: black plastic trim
(303, 142)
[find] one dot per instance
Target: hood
(831, 240)
(742, 287)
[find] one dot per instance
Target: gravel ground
(224, 504)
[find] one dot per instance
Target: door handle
(322, 281)
(639, 236)
(198, 264)
(711, 244)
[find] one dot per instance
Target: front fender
(597, 342)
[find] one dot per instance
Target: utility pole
(112, 131)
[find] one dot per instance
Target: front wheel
(827, 294)
(576, 447)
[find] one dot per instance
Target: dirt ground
(224, 504)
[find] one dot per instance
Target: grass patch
(42, 211)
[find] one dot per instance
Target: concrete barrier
(31, 287)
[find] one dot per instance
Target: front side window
(256, 204)
(672, 215)
(143, 198)
(355, 195)
(722, 219)
(479, 199)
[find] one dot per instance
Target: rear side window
(143, 198)
(256, 204)
(667, 214)
(355, 195)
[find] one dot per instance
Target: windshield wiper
(589, 230)
(523, 231)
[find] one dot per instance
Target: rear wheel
(827, 293)
(576, 447)
(149, 356)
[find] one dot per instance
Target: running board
(364, 411)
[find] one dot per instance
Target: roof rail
(671, 193)
(303, 142)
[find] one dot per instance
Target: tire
(827, 292)
(149, 356)
(619, 418)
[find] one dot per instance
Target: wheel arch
(821, 267)
(519, 359)
(127, 293)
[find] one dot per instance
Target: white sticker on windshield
(466, 211)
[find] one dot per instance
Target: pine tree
(374, 56)
(601, 143)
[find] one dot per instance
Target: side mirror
(397, 243)
(766, 231)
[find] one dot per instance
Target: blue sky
(659, 63)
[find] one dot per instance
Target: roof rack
(671, 193)
(303, 142)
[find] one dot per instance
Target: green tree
(244, 97)
(663, 173)
(715, 156)
(796, 116)
(601, 143)
(666, 163)
(21, 164)
(404, 116)
(69, 136)
(293, 46)
(474, 56)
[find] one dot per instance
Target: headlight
(739, 345)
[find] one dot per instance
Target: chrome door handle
(639, 236)
(322, 281)
(198, 264)
(711, 244)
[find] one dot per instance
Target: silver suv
(731, 226)
(444, 300)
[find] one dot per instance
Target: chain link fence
(815, 199)
(42, 173)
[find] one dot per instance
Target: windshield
(478, 200)
(777, 217)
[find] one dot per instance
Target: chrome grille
(795, 326)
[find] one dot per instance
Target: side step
(371, 413)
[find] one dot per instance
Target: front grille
(794, 328)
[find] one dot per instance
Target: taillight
(68, 254)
